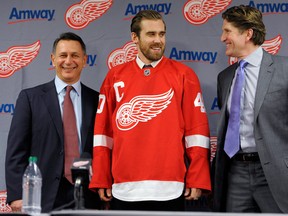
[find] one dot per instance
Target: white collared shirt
(141, 64)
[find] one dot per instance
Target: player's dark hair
(69, 36)
(141, 15)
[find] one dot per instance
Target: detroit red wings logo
(3, 206)
(271, 46)
(78, 16)
(198, 12)
(17, 57)
(121, 55)
(142, 109)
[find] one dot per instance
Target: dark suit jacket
(36, 129)
(270, 129)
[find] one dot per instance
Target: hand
(105, 194)
(192, 193)
(16, 206)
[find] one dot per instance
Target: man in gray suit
(254, 177)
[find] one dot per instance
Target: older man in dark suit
(251, 163)
(37, 128)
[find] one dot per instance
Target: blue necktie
(232, 140)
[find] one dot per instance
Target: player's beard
(150, 54)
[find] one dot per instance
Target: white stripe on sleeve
(197, 140)
(103, 140)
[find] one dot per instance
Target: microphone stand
(78, 194)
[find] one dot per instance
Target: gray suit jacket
(270, 129)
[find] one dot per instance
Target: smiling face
(238, 44)
(151, 41)
(69, 60)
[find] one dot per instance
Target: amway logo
(29, 15)
(7, 109)
(270, 7)
(214, 107)
(184, 55)
(91, 61)
(161, 8)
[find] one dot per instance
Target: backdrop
(28, 29)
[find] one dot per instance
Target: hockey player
(148, 118)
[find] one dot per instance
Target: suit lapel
(225, 83)
(86, 114)
(50, 98)
(265, 76)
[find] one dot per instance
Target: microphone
(81, 169)
(81, 174)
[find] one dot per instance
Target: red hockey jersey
(147, 120)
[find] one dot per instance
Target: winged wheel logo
(142, 109)
(17, 57)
